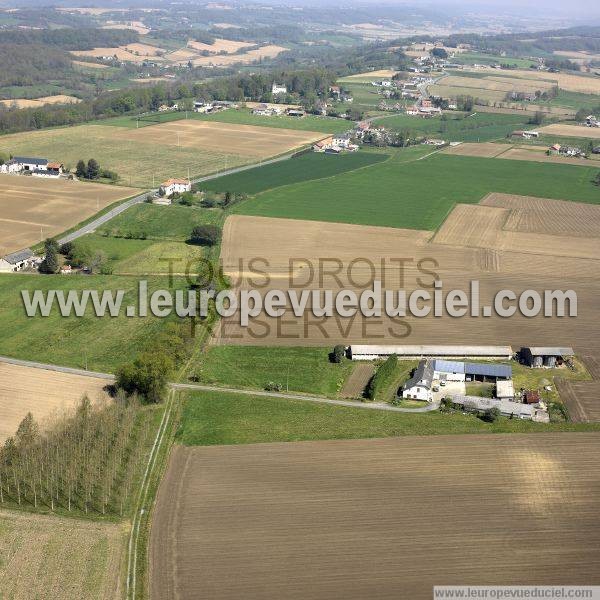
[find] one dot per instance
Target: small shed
(545, 356)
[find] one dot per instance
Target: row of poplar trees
(86, 461)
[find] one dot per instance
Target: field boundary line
(131, 581)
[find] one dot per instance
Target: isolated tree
(597, 179)
(205, 235)
(93, 169)
(439, 53)
(339, 352)
(81, 169)
(50, 263)
(491, 415)
(147, 376)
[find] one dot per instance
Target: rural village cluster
(299, 301)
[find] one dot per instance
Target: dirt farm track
(378, 519)
(34, 208)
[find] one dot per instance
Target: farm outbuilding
(507, 408)
(545, 356)
(375, 352)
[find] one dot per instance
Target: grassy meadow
(96, 343)
(295, 369)
(477, 127)
(415, 191)
(211, 418)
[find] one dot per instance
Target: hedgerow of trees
(382, 378)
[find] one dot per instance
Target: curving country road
(213, 388)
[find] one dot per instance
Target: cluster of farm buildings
(36, 167)
(440, 374)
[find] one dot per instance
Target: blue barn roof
(488, 370)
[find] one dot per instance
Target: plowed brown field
(34, 208)
(473, 244)
(383, 519)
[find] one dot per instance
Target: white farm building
(175, 186)
(374, 352)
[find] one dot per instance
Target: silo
(538, 361)
(550, 361)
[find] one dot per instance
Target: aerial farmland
(299, 302)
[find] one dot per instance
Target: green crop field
(174, 223)
(211, 418)
(96, 343)
(295, 369)
(469, 58)
(302, 168)
(416, 193)
(240, 116)
(477, 127)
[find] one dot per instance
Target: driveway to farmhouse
(213, 388)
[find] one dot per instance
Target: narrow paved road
(93, 225)
(234, 390)
(111, 214)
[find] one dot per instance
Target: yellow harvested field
(44, 394)
(49, 557)
(34, 208)
(483, 149)
(220, 45)
(358, 519)
(181, 55)
(449, 91)
(506, 151)
(270, 51)
(381, 74)
(578, 56)
(540, 215)
(119, 52)
(485, 226)
(473, 244)
(562, 129)
(538, 154)
(499, 84)
(28, 103)
(134, 25)
(244, 140)
(143, 49)
(566, 81)
(90, 65)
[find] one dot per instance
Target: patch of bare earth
(362, 519)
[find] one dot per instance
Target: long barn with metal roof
(374, 352)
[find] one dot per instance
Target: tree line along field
(358, 519)
(241, 116)
(418, 193)
(308, 166)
